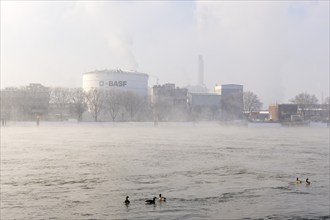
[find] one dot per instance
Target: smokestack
(200, 70)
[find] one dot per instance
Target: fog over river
(205, 170)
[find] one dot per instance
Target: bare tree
(21, 104)
(132, 103)
(326, 107)
(10, 104)
(37, 98)
(6, 107)
(24, 103)
(162, 110)
(327, 100)
(78, 100)
(251, 102)
(60, 99)
(144, 111)
(304, 101)
(113, 102)
(95, 102)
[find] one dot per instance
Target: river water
(206, 171)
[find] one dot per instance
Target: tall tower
(200, 70)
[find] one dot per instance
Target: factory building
(204, 100)
(231, 101)
(170, 95)
(121, 80)
(204, 105)
(169, 102)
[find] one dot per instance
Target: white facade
(204, 100)
(226, 89)
(134, 82)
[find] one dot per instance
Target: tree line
(101, 104)
(62, 103)
(113, 105)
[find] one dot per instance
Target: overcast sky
(276, 49)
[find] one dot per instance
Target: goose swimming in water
(161, 198)
(126, 200)
(298, 181)
(151, 201)
(307, 182)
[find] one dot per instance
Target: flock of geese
(298, 181)
(163, 199)
(148, 201)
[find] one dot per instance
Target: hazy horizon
(274, 49)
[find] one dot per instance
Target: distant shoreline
(167, 123)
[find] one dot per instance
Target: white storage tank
(131, 81)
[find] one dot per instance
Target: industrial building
(204, 105)
(131, 81)
(204, 100)
(169, 101)
(169, 94)
(231, 100)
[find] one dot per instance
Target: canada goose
(161, 198)
(298, 181)
(151, 201)
(126, 200)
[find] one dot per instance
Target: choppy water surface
(206, 171)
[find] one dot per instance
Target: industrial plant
(121, 95)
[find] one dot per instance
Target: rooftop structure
(227, 89)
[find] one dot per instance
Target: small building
(283, 112)
(286, 111)
(316, 112)
(273, 113)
